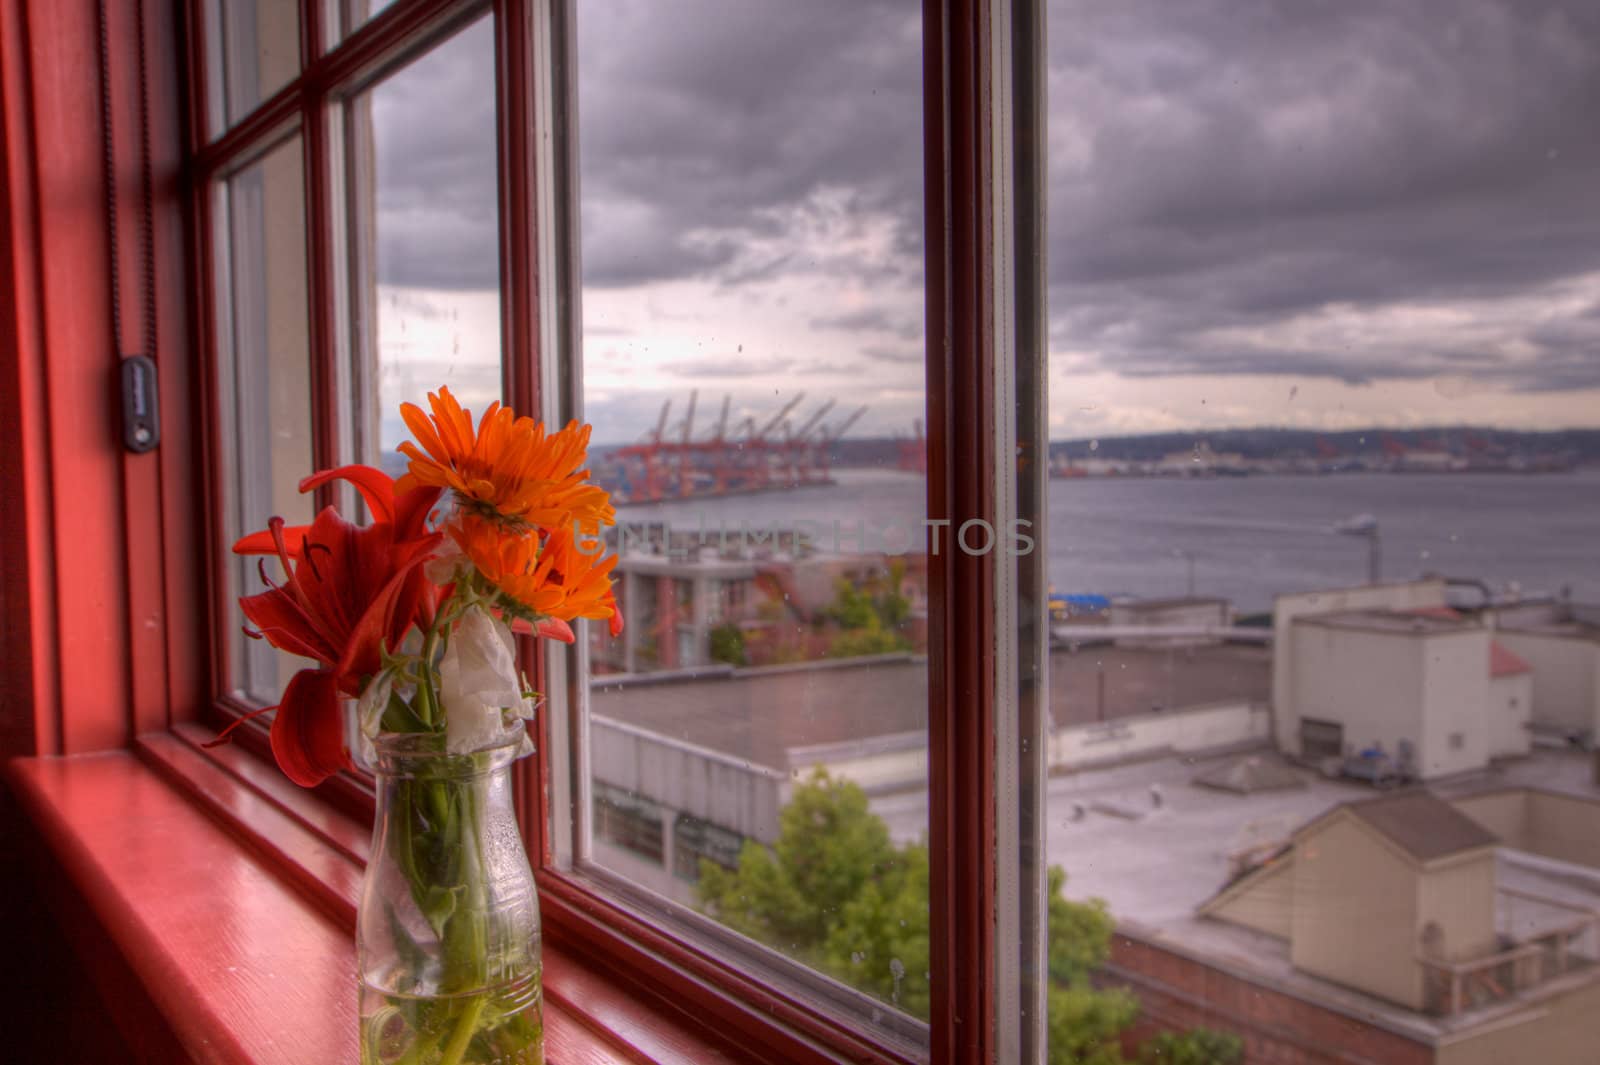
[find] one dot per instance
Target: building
(693, 600)
(1195, 619)
(1410, 595)
(672, 606)
(1326, 926)
(691, 763)
(1199, 461)
(1414, 685)
(1383, 673)
(1561, 644)
(1386, 895)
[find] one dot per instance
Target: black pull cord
(140, 394)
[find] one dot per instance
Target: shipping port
(673, 461)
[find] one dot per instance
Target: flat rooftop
(758, 715)
(1165, 604)
(1575, 630)
(1154, 865)
(1423, 624)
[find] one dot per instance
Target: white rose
(477, 680)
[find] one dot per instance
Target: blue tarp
(1082, 602)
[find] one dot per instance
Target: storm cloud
(1356, 190)
(432, 145)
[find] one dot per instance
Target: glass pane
(1324, 281)
(253, 51)
(751, 211)
(357, 12)
(265, 382)
(425, 240)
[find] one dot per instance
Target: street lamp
(1367, 526)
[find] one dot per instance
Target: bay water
(1249, 538)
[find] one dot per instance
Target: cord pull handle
(141, 404)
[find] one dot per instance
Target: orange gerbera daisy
(509, 469)
(555, 579)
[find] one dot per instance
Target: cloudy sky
(1299, 212)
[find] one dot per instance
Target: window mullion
(520, 234)
(1021, 415)
(321, 303)
(967, 382)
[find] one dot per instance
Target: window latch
(141, 404)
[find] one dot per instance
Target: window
(254, 51)
(265, 379)
(741, 307)
(695, 841)
(1320, 740)
(426, 307)
(1323, 410)
(752, 360)
(1320, 337)
(625, 820)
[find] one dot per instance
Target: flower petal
(388, 614)
(420, 428)
(555, 629)
(264, 543)
(308, 731)
(375, 486)
(280, 620)
(411, 510)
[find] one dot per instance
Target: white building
(1411, 595)
(1511, 701)
(1384, 669)
(1189, 614)
(1561, 643)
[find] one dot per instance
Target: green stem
(426, 707)
(466, 1026)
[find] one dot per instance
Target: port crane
(672, 461)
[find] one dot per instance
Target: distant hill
(1583, 445)
(1267, 443)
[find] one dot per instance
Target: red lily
(406, 511)
(350, 594)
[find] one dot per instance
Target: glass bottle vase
(447, 937)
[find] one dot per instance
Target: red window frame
(168, 653)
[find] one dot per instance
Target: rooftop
(687, 565)
(1154, 861)
(1577, 630)
(1165, 604)
(1422, 824)
(758, 715)
(1504, 662)
(1420, 622)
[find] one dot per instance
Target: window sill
(237, 913)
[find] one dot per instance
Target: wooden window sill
(237, 915)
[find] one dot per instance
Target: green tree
(1086, 1025)
(868, 617)
(830, 847)
(881, 941)
(1199, 1046)
(727, 644)
(853, 643)
(852, 606)
(1080, 932)
(835, 892)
